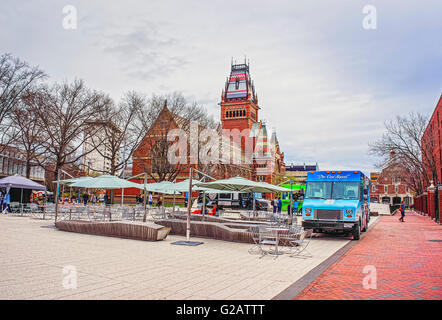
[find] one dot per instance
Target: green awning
(240, 184)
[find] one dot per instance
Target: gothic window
(385, 189)
(237, 83)
(227, 114)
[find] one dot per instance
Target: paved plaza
(407, 258)
(33, 256)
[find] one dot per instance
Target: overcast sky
(324, 83)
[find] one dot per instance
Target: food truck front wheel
(357, 231)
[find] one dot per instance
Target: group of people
(291, 208)
(149, 200)
(277, 205)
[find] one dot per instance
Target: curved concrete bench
(206, 229)
(128, 230)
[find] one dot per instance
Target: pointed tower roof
(239, 85)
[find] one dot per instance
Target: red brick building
(389, 187)
(430, 202)
(240, 111)
(240, 125)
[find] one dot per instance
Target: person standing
(159, 202)
(1, 201)
(7, 201)
(402, 211)
(274, 205)
(295, 203)
(150, 199)
(85, 198)
(279, 205)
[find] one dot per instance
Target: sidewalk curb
(296, 288)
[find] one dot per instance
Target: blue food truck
(337, 201)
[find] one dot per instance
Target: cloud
(324, 83)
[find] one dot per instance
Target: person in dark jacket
(402, 211)
(274, 205)
(85, 198)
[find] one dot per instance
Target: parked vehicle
(236, 200)
(337, 201)
(285, 196)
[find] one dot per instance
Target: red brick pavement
(408, 265)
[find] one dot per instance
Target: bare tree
(16, 76)
(120, 131)
(63, 112)
(404, 137)
(177, 113)
(30, 135)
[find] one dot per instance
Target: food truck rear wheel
(365, 226)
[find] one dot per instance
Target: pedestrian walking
(7, 203)
(274, 205)
(159, 202)
(402, 211)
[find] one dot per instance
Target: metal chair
(268, 237)
(15, 207)
(256, 248)
(300, 245)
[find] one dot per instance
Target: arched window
(227, 114)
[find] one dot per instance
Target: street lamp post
(189, 201)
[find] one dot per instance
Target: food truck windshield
(337, 190)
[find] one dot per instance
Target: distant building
(12, 161)
(299, 172)
(98, 161)
(389, 186)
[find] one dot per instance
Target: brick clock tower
(239, 110)
(239, 103)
